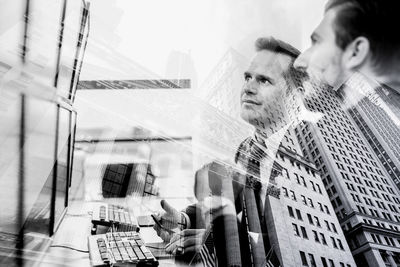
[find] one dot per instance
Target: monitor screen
(39, 154)
(61, 183)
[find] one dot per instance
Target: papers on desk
(73, 232)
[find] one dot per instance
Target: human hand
(170, 221)
(186, 241)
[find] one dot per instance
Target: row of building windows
(305, 201)
(318, 237)
(374, 212)
(381, 224)
(310, 261)
(388, 240)
(308, 170)
(313, 220)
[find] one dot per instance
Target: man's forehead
(325, 27)
(270, 61)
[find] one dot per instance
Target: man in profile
(356, 42)
(269, 83)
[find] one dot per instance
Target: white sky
(129, 35)
(146, 32)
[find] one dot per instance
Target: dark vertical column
(54, 183)
(84, 18)
(69, 170)
(73, 145)
(26, 26)
(60, 40)
(21, 186)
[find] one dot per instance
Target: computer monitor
(62, 177)
(35, 182)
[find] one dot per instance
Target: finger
(157, 215)
(166, 237)
(175, 238)
(192, 232)
(193, 248)
(172, 245)
(166, 218)
(169, 248)
(168, 208)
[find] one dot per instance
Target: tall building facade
(377, 115)
(304, 226)
(222, 86)
(364, 197)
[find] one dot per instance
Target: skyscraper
(364, 197)
(304, 226)
(377, 114)
(222, 86)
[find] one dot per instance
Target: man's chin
(247, 117)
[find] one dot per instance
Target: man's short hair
(293, 77)
(375, 20)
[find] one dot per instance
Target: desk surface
(73, 232)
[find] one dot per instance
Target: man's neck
(260, 135)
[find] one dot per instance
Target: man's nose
(301, 62)
(250, 87)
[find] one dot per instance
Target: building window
(333, 242)
(317, 221)
(316, 238)
(323, 240)
(310, 220)
(291, 214)
(303, 199)
(303, 258)
(311, 202)
(326, 209)
(334, 227)
(285, 192)
(303, 181)
(327, 225)
(340, 244)
(320, 206)
(304, 232)
(319, 189)
(312, 260)
(331, 264)
(292, 195)
(297, 178)
(299, 214)
(324, 263)
(295, 229)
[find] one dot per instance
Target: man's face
(263, 92)
(323, 61)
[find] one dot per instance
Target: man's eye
(314, 41)
(247, 77)
(263, 81)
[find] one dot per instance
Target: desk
(74, 231)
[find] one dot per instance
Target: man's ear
(356, 53)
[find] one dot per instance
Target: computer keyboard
(114, 215)
(119, 249)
